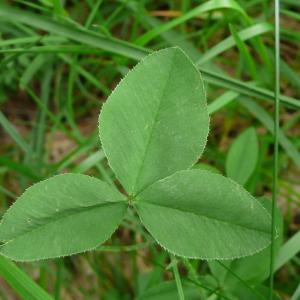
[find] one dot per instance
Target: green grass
(59, 63)
(276, 141)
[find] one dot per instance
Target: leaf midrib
(66, 214)
(199, 215)
(134, 191)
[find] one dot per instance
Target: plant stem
(177, 277)
(276, 130)
(58, 282)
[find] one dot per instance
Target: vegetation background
(59, 62)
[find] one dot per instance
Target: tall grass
(276, 140)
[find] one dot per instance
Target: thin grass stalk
(177, 278)
(276, 140)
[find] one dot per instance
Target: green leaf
(60, 216)
(21, 282)
(242, 157)
(253, 269)
(199, 214)
(155, 122)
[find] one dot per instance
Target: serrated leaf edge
(202, 257)
(73, 253)
(131, 70)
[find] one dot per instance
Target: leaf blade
(56, 214)
(254, 269)
(242, 156)
(200, 227)
(162, 120)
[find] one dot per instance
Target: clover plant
(153, 129)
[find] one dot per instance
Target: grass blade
(129, 50)
(31, 40)
(244, 52)
(276, 142)
(21, 168)
(245, 88)
(177, 278)
(71, 48)
(80, 35)
(36, 64)
(12, 131)
(222, 101)
(205, 7)
(288, 251)
(245, 34)
(21, 282)
(263, 116)
(91, 161)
